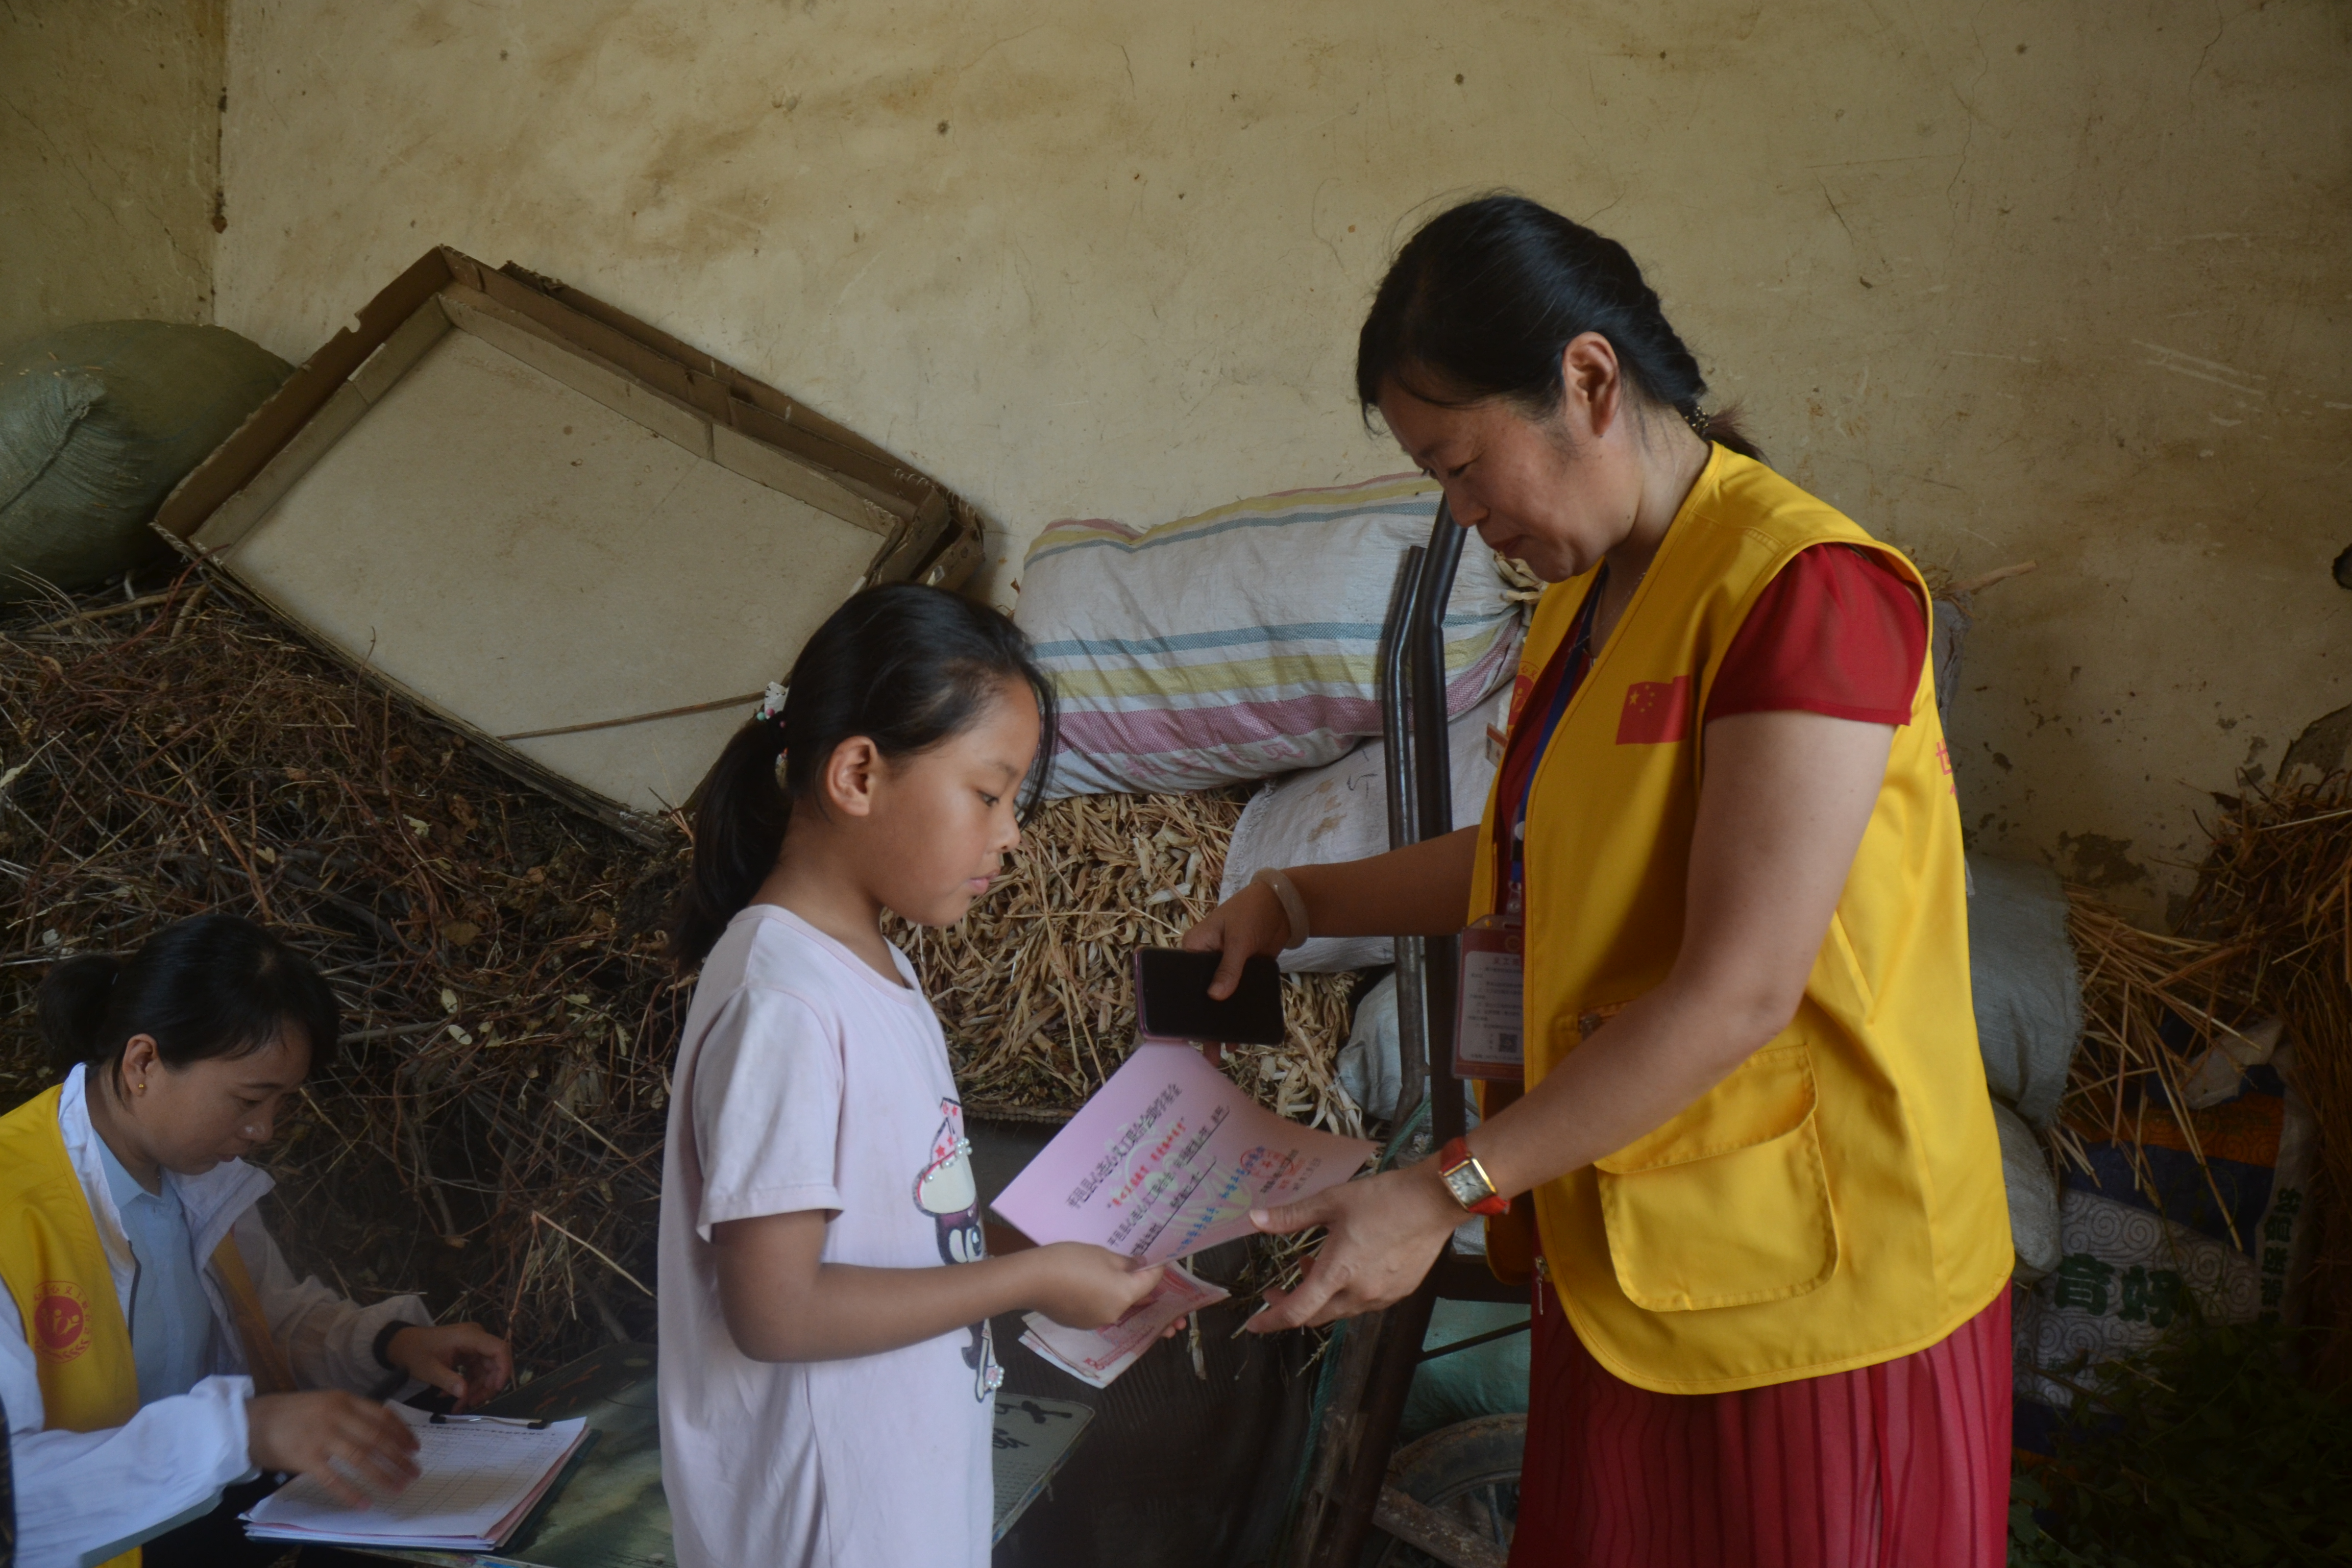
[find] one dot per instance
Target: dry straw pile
(2266, 933)
(2275, 893)
(1034, 988)
(493, 1133)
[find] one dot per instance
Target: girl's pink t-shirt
(805, 1080)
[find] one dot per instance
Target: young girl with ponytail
(154, 1344)
(826, 1375)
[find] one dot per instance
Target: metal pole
(1404, 827)
(1366, 1350)
(1434, 768)
(1421, 806)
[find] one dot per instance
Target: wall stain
(2095, 861)
(1025, 307)
(2322, 746)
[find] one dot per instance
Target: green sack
(1485, 1379)
(96, 424)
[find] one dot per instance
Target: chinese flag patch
(1657, 713)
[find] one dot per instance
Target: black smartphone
(1172, 1002)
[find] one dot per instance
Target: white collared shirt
(171, 1321)
(170, 1460)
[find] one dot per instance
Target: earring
(139, 1088)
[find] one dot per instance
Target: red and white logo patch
(60, 1322)
(1522, 688)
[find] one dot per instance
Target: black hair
(213, 986)
(1486, 297)
(905, 666)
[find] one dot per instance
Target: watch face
(1464, 1183)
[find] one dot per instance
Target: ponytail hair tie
(1693, 417)
(771, 711)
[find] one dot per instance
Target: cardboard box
(585, 545)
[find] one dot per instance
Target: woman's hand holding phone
(1251, 924)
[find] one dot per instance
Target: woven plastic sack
(96, 424)
(2028, 990)
(2148, 1233)
(1462, 1386)
(1340, 812)
(2033, 1225)
(1243, 642)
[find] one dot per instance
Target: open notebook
(481, 1479)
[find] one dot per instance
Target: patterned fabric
(1900, 1464)
(1243, 642)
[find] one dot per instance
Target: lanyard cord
(1575, 662)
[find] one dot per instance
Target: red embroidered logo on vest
(1657, 713)
(60, 1320)
(1522, 689)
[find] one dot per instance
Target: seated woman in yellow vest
(1766, 1186)
(151, 1338)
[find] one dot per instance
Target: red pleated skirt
(1901, 1464)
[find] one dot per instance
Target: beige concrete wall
(2055, 281)
(110, 159)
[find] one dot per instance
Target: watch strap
(381, 1348)
(1467, 1181)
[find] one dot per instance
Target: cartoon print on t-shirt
(945, 1191)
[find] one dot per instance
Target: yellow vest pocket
(1728, 1202)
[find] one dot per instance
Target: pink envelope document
(1168, 1157)
(1098, 1355)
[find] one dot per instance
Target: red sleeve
(1840, 631)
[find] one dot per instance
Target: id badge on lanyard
(1489, 1040)
(1490, 1013)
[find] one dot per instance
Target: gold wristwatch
(1467, 1181)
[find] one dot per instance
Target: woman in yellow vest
(1771, 1308)
(153, 1340)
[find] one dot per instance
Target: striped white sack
(1243, 642)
